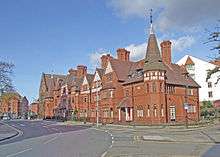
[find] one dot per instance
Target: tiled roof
(108, 86)
(175, 75)
(90, 78)
(100, 71)
(50, 83)
(121, 68)
(153, 59)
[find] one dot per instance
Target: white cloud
(127, 8)
(175, 14)
(182, 43)
(138, 51)
(95, 58)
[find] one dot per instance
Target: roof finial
(151, 22)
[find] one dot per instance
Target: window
(170, 89)
(85, 99)
(105, 113)
(210, 94)
(192, 76)
(190, 67)
(148, 88)
(148, 110)
(111, 113)
(209, 84)
(162, 111)
(154, 87)
(155, 110)
(140, 113)
(64, 90)
(109, 76)
(191, 109)
(161, 87)
(190, 91)
(126, 93)
(111, 94)
(72, 99)
(84, 87)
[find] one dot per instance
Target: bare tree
(6, 71)
(214, 38)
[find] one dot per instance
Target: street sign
(186, 106)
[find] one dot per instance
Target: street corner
(8, 132)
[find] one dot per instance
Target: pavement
(7, 132)
(164, 141)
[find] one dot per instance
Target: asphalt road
(48, 138)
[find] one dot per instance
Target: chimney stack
(166, 52)
(72, 72)
(123, 54)
(81, 70)
(104, 60)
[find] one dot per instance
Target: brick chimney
(72, 72)
(81, 70)
(123, 54)
(104, 60)
(166, 52)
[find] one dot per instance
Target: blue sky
(55, 35)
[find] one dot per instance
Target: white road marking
(21, 124)
(19, 152)
(50, 140)
(103, 155)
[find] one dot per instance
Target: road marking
(21, 124)
(19, 152)
(50, 140)
(20, 133)
(103, 155)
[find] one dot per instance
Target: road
(48, 138)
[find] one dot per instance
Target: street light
(97, 105)
(186, 105)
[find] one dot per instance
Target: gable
(85, 81)
(189, 61)
(97, 77)
(108, 68)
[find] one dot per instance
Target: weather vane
(151, 18)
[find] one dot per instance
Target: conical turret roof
(153, 60)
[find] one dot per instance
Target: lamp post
(97, 105)
(186, 106)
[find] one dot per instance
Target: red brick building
(150, 91)
(34, 108)
(10, 104)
